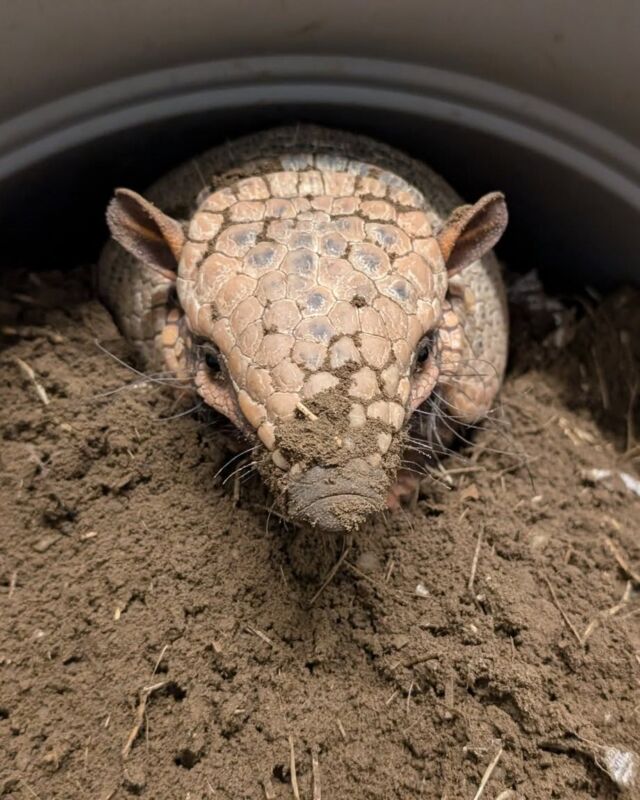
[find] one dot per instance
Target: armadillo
(328, 294)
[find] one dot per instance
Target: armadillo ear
(145, 231)
(471, 231)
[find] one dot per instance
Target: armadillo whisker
(500, 426)
(465, 440)
(246, 477)
(416, 465)
(424, 450)
(407, 518)
(237, 471)
(174, 381)
(414, 470)
(272, 512)
(181, 413)
(438, 415)
(425, 473)
(235, 458)
(431, 450)
(476, 373)
(151, 378)
(110, 392)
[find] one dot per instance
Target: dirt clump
(164, 636)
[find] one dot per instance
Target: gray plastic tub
(536, 99)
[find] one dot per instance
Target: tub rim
(576, 142)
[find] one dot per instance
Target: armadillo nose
(339, 513)
(337, 499)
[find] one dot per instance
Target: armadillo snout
(337, 498)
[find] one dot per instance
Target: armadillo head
(313, 301)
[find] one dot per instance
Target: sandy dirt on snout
(163, 636)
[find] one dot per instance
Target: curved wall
(536, 99)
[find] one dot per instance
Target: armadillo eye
(424, 349)
(212, 361)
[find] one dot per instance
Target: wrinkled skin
(320, 301)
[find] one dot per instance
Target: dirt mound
(162, 637)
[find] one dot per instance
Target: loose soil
(162, 637)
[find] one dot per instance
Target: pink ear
(145, 231)
(471, 231)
